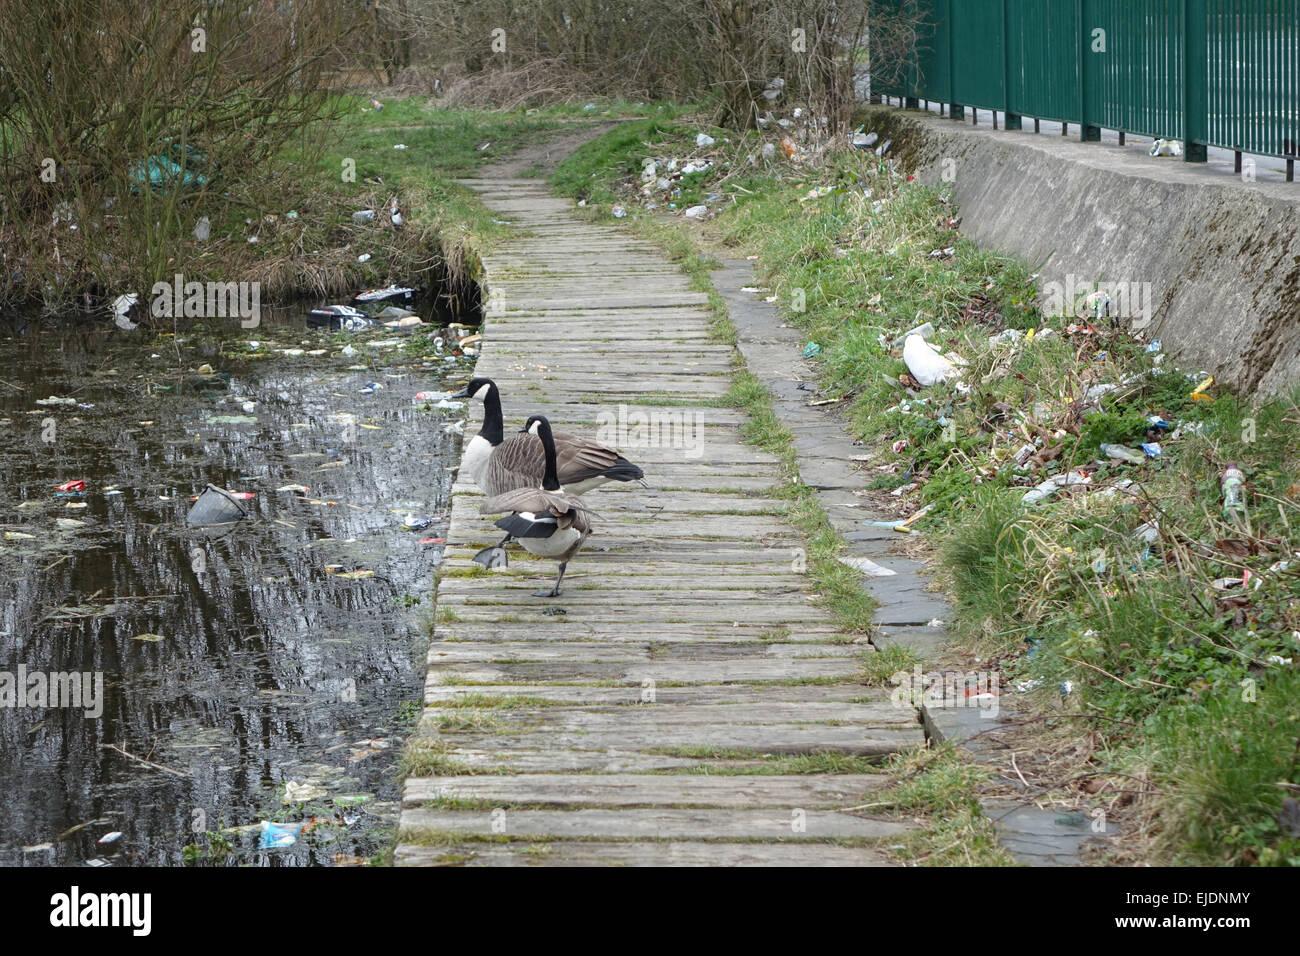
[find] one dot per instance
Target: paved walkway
(662, 709)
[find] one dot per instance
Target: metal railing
(1223, 73)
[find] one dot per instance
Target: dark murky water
(284, 652)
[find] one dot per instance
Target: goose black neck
(493, 423)
(551, 480)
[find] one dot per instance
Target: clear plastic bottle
(1234, 491)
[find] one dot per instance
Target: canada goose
(546, 521)
(495, 464)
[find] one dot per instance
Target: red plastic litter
(433, 541)
(71, 486)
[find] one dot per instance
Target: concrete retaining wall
(1221, 257)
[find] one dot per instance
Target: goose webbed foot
(554, 591)
(495, 556)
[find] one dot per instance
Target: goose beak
(463, 393)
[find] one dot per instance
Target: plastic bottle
(1234, 491)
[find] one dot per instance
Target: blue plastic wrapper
(275, 835)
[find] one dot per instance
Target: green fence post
(1013, 119)
(1087, 132)
(1196, 82)
(955, 110)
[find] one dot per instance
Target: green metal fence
(1220, 73)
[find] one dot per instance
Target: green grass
(939, 786)
(878, 667)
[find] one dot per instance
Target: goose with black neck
(545, 519)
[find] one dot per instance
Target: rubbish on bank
(1201, 392)
(1051, 486)
(215, 506)
(392, 293)
(696, 212)
(926, 365)
(811, 350)
(618, 212)
(160, 172)
(363, 215)
(868, 567)
(817, 192)
(1123, 453)
(1166, 147)
(862, 140)
(1148, 533)
(1233, 487)
(55, 400)
(704, 139)
(121, 306)
(203, 229)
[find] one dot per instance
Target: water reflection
(235, 660)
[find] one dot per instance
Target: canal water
(258, 678)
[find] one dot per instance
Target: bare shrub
(121, 124)
(724, 51)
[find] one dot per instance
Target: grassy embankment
(1172, 687)
(300, 212)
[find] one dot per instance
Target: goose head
(479, 388)
(485, 390)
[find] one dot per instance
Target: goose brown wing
(531, 500)
(577, 458)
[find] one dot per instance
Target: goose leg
(555, 591)
(495, 556)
